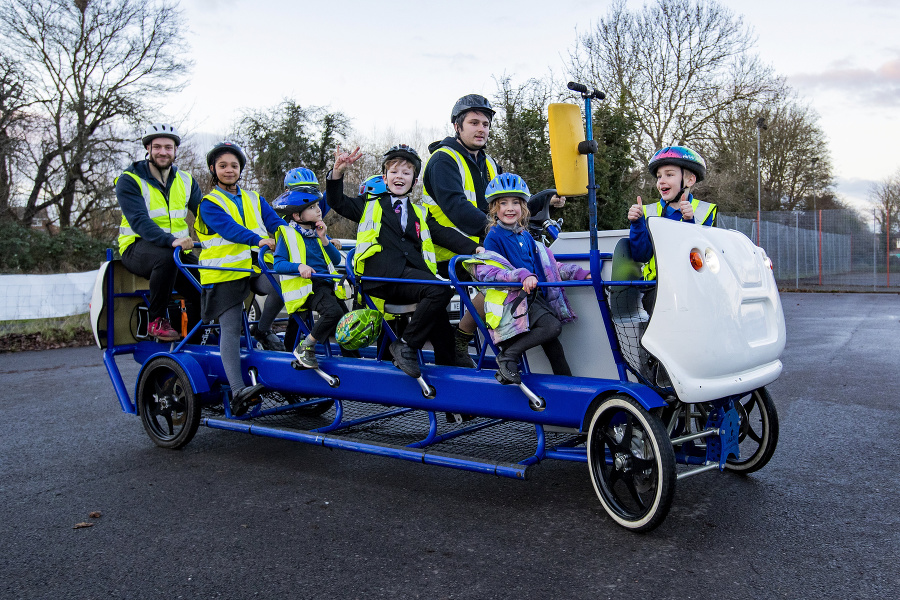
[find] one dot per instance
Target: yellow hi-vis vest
(168, 216)
(295, 289)
(494, 298)
(219, 252)
(370, 227)
(465, 175)
(702, 210)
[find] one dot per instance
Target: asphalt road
(237, 516)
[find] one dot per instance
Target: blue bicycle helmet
(373, 186)
(300, 177)
(505, 185)
(293, 201)
(680, 156)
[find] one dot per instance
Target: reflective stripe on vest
(168, 216)
(468, 184)
(494, 298)
(653, 210)
(370, 228)
(295, 289)
(219, 252)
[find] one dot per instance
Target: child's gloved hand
(636, 211)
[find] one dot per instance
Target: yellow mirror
(570, 169)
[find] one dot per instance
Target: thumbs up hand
(636, 211)
(687, 211)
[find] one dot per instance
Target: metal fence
(824, 250)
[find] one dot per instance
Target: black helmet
(471, 102)
(223, 147)
(405, 152)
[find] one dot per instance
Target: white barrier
(45, 296)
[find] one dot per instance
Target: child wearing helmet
(303, 248)
(396, 240)
(520, 319)
(300, 177)
(231, 223)
(677, 169)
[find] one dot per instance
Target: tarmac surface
(239, 516)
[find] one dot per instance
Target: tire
(622, 436)
(758, 434)
(166, 403)
(254, 311)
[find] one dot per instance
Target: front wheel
(631, 462)
(166, 403)
(758, 433)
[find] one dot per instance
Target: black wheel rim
(752, 427)
(625, 464)
(165, 404)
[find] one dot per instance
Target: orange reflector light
(769, 264)
(696, 260)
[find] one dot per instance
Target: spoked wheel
(169, 410)
(631, 462)
(758, 434)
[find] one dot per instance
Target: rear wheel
(166, 403)
(631, 462)
(758, 433)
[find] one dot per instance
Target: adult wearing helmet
(676, 169)
(154, 196)
(455, 177)
(232, 223)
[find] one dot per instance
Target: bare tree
(102, 68)
(886, 196)
(678, 65)
(15, 98)
(795, 165)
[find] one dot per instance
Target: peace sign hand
(342, 160)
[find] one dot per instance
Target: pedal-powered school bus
(651, 400)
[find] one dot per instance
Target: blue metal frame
(458, 390)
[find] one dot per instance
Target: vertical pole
(797, 250)
(874, 250)
(887, 243)
(819, 248)
(592, 187)
(758, 186)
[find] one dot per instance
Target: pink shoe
(162, 330)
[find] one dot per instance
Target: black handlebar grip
(577, 87)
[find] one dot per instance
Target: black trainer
(306, 355)
(246, 398)
(507, 370)
(406, 358)
(268, 339)
(463, 358)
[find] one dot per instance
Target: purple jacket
(554, 272)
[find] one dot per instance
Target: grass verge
(45, 334)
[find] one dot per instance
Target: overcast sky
(394, 68)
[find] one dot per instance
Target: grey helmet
(471, 102)
(156, 130)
